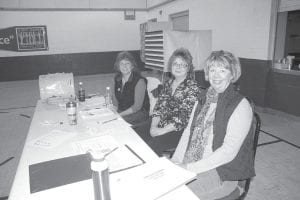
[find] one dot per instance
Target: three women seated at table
(212, 130)
(174, 105)
(130, 89)
(217, 143)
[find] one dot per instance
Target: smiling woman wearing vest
(130, 89)
(217, 143)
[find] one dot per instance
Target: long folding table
(48, 118)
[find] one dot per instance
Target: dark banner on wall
(24, 38)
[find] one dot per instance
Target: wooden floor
(277, 162)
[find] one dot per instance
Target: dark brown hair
(184, 54)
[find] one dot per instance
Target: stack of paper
(71, 178)
(96, 113)
(119, 157)
(104, 144)
(51, 139)
(97, 116)
(96, 101)
(149, 181)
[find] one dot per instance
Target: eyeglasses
(179, 65)
(125, 64)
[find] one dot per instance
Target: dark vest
(125, 97)
(242, 166)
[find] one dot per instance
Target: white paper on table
(179, 194)
(111, 126)
(96, 101)
(103, 144)
(84, 190)
(99, 114)
(121, 157)
(149, 181)
(51, 139)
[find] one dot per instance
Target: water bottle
(108, 97)
(100, 176)
(72, 112)
(81, 92)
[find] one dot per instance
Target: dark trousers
(136, 118)
(158, 144)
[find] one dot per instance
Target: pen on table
(52, 123)
(133, 166)
(131, 150)
(90, 152)
(109, 120)
(7, 160)
(110, 152)
(92, 95)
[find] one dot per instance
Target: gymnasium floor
(277, 161)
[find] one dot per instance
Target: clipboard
(62, 171)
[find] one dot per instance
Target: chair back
(245, 184)
(56, 85)
(257, 123)
(256, 133)
(152, 84)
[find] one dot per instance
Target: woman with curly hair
(174, 105)
(130, 89)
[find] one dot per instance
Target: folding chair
(152, 84)
(255, 143)
(245, 184)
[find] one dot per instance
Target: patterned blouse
(176, 109)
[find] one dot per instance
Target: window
(288, 37)
(180, 21)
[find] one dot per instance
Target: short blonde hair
(223, 59)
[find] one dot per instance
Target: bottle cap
(95, 155)
(71, 104)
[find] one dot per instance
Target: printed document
(149, 181)
(99, 114)
(103, 144)
(159, 179)
(51, 139)
(119, 157)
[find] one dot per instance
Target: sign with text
(8, 39)
(24, 38)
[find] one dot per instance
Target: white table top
(47, 118)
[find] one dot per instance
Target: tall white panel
(159, 46)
